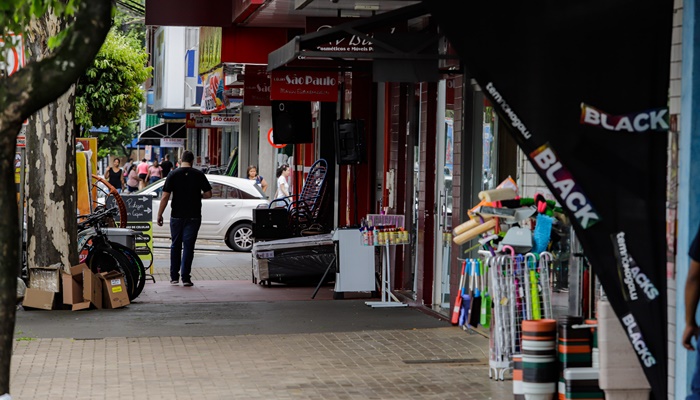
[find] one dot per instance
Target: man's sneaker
(174, 282)
(187, 283)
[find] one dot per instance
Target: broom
(458, 298)
(466, 297)
(475, 306)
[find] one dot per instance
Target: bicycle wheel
(138, 270)
(110, 191)
(106, 259)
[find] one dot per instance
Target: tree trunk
(51, 181)
(51, 208)
(9, 251)
(44, 79)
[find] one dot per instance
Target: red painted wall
(250, 45)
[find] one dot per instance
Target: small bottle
(376, 237)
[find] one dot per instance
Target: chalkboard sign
(139, 208)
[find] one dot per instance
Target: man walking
(692, 296)
(167, 165)
(188, 187)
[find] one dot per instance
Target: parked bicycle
(104, 255)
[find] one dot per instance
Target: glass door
(443, 206)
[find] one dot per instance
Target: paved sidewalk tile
(440, 363)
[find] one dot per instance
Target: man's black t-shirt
(167, 167)
(694, 252)
(186, 185)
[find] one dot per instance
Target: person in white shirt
(283, 173)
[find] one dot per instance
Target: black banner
(583, 85)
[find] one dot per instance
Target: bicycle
(102, 255)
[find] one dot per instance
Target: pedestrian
(252, 173)
(115, 176)
(282, 184)
(188, 186)
(154, 172)
(132, 181)
(692, 296)
(167, 165)
(142, 169)
(127, 168)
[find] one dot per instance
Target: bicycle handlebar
(96, 217)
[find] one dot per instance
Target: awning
(152, 135)
(302, 52)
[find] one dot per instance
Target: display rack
(392, 228)
(388, 299)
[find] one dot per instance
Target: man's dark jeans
(183, 232)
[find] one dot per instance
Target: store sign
(304, 86)
(257, 86)
(225, 120)
(349, 43)
(14, 56)
(172, 142)
(211, 121)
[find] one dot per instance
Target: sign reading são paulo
(304, 86)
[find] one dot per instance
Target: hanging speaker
(291, 122)
(348, 141)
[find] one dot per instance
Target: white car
(227, 215)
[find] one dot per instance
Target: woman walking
(115, 176)
(132, 181)
(155, 172)
(283, 173)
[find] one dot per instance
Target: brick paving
(440, 363)
(437, 363)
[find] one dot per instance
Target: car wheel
(240, 237)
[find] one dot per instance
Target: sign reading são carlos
(304, 86)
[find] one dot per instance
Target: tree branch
(39, 83)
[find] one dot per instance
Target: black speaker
(348, 141)
(291, 122)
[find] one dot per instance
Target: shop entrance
(443, 206)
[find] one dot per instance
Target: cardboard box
(45, 278)
(81, 288)
(92, 288)
(37, 298)
(114, 290)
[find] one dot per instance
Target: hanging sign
(601, 76)
(256, 86)
(213, 99)
(172, 142)
(304, 86)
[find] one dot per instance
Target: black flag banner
(583, 87)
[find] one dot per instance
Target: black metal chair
(305, 209)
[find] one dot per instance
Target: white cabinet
(355, 263)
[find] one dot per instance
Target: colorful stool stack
(582, 383)
(518, 377)
(539, 356)
(574, 348)
(595, 358)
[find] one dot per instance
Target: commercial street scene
(349, 199)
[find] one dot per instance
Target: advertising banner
(304, 86)
(213, 99)
(582, 86)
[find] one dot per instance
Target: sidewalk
(232, 339)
